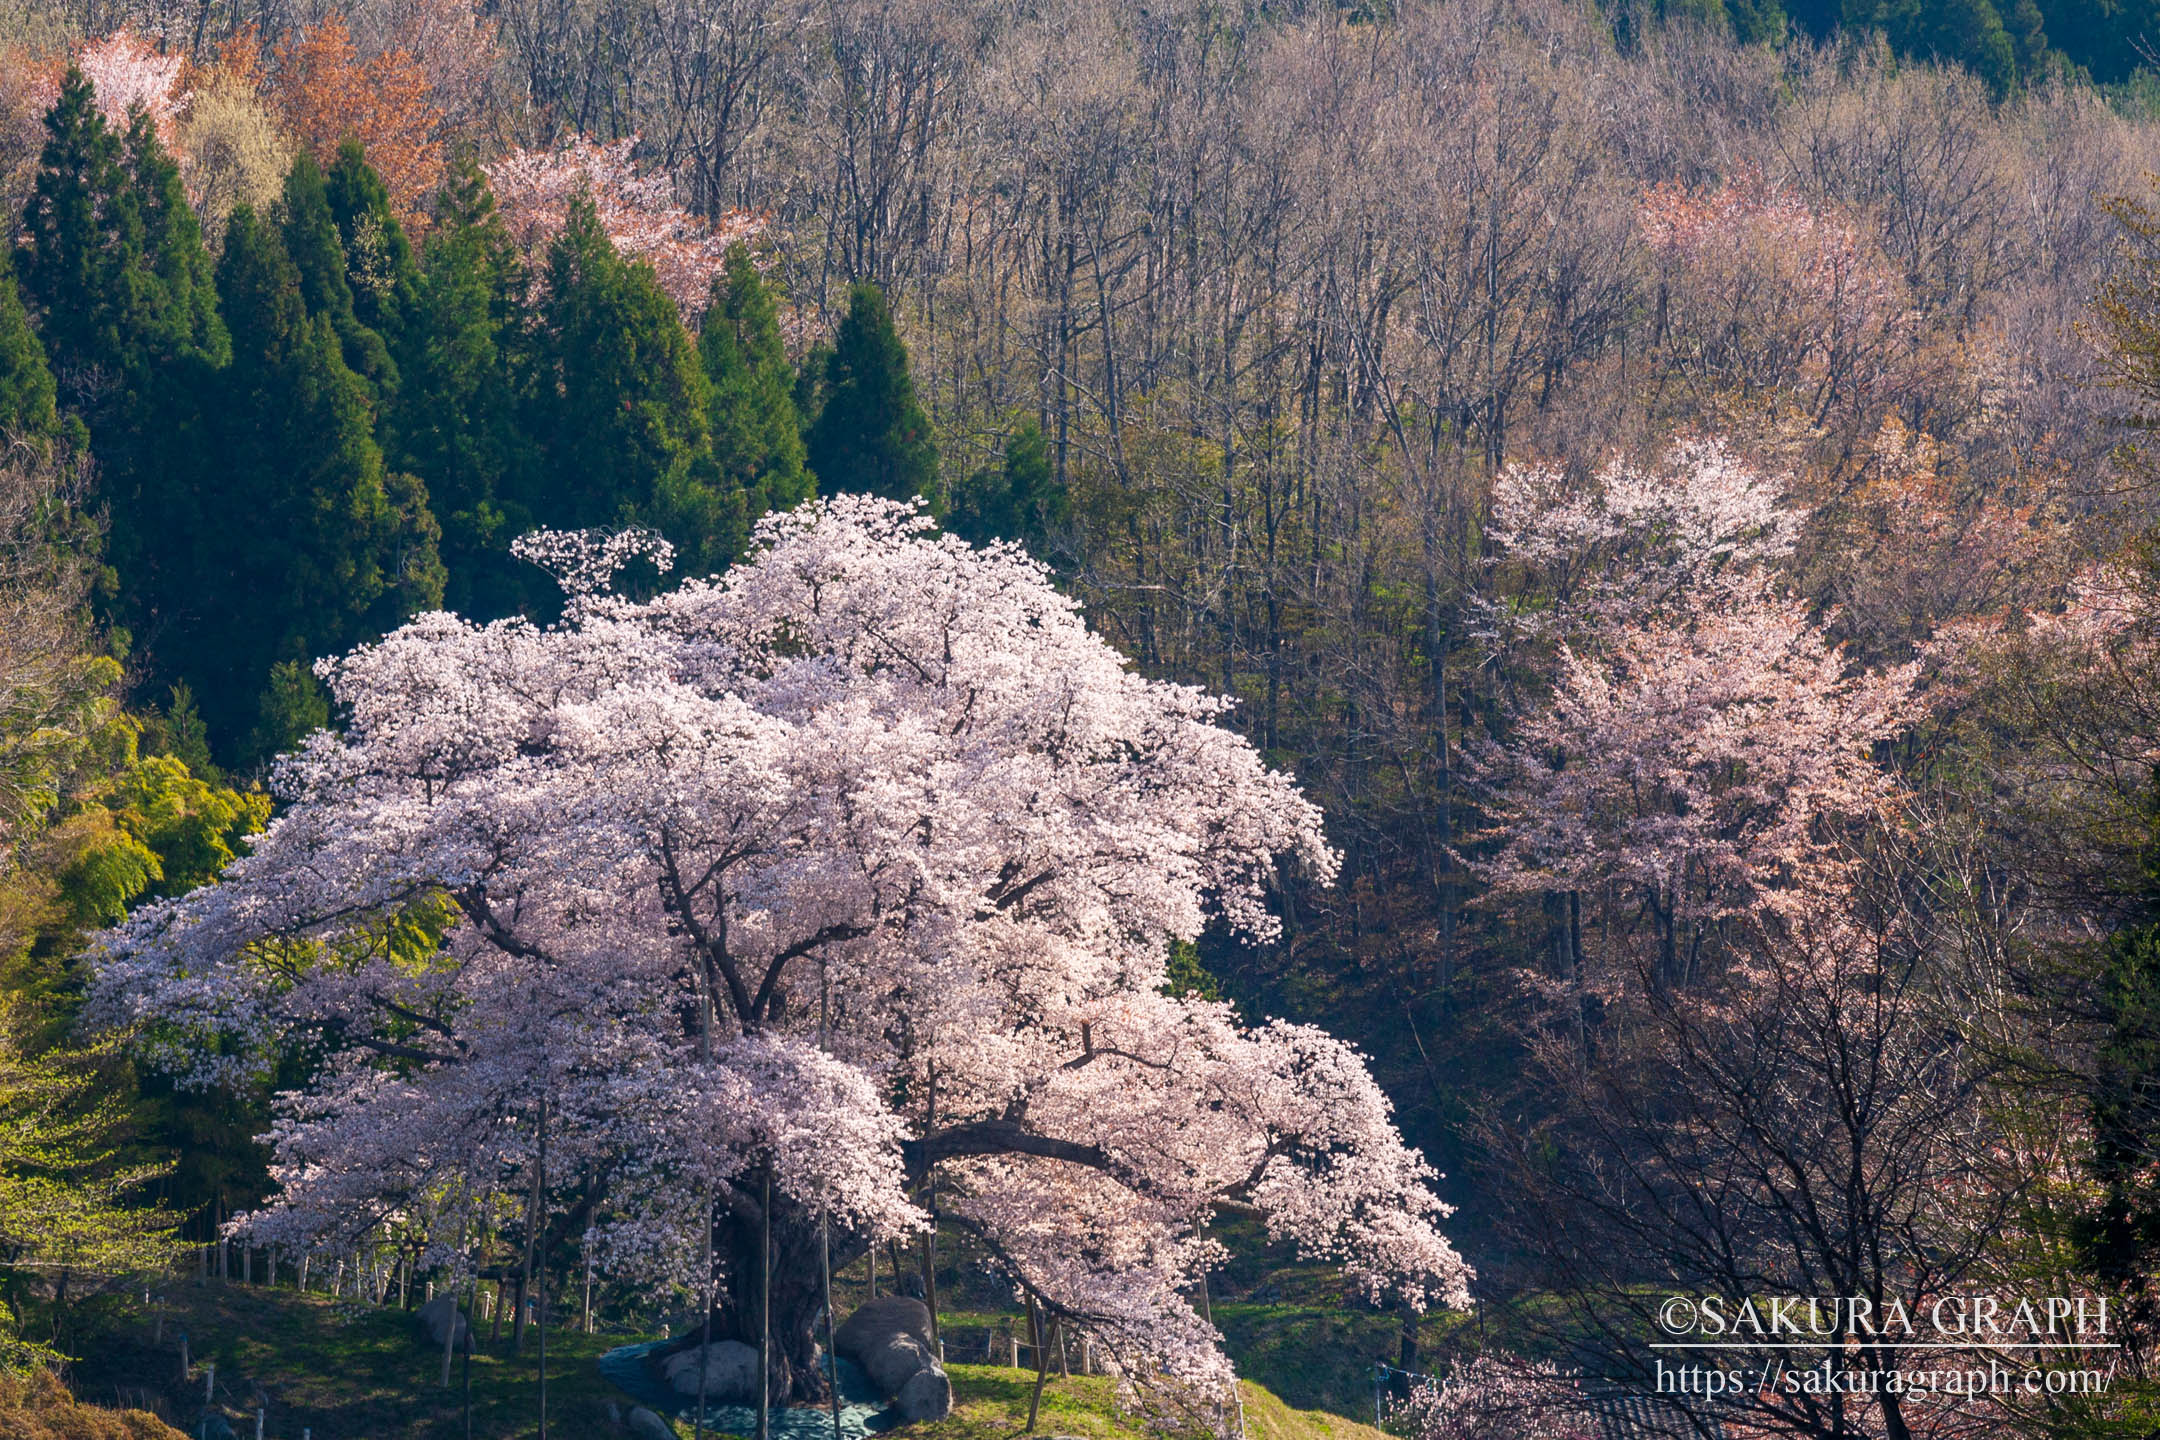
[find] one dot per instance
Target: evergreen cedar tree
(756, 433)
(296, 459)
(26, 383)
(317, 248)
(377, 252)
(864, 859)
(621, 426)
(869, 431)
(113, 271)
(1018, 500)
(458, 421)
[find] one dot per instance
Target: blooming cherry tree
(1702, 730)
(1638, 541)
(1764, 294)
(638, 209)
(128, 73)
(851, 871)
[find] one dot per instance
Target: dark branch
(997, 1137)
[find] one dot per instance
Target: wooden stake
(470, 1337)
(929, 1256)
(832, 1356)
(539, 1187)
(704, 1354)
(1042, 1362)
(764, 1340)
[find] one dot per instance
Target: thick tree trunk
(798, 1296)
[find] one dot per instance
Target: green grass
(343, 1374)
(1314, 1358)
(356, 1374)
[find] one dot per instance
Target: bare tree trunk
(532, 1239)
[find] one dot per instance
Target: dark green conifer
(80, 237)
(870, 434)
(26, 382)
(113, 265)
(621, 406)
(294, 705)
(317, 249)
(299, 516)
(178, 317)
(756, 433)
(457, 422)
(1020, 500)
(114, 274)
(379, 259)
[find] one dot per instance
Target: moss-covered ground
(339, 1372)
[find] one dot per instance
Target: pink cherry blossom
(128, 73)
(637, 208)
(1495, 1397)
(860, 860)
(1704, 740)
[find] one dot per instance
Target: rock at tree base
(730, 1372)
(864, 1411)
(439, 1313)
(890, 1339)
(647, 1426)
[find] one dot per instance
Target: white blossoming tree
(855, 867)
(1705, 740)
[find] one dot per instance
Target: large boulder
(645, 1425)
(731, 1371)
(439, 1315)
(889, 1338)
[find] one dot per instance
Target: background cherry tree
(852, 869)
(638, 209)
(1702, 730)
(128, 73)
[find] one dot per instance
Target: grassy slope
(361, 1375)
(40, 1408)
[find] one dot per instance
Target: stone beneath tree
(645, 1425)
(890, 1339)
(439, 1315)
(731, 1371)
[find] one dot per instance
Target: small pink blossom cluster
(1750, 215)
(638, 209)
(1496, 1397)
(129, 73)
(1767, 290)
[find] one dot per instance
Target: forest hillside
(1662, 493)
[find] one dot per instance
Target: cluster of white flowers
(860, 860)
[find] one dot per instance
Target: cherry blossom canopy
(859, 862)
